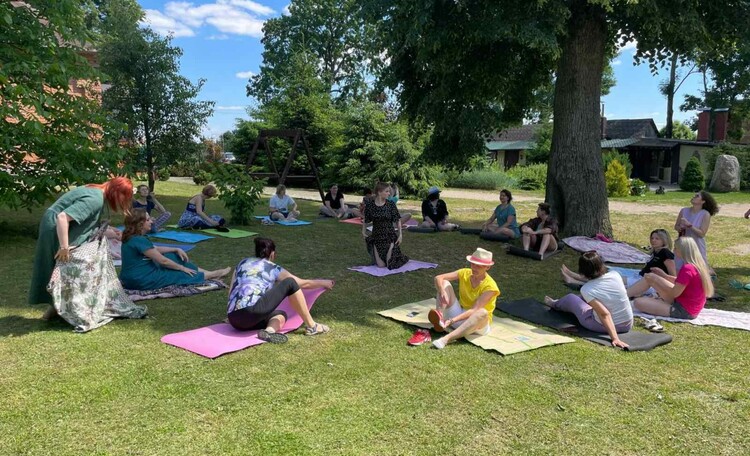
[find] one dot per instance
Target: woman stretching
(683, 296)
(195, 215)
(605, 307)
(146, 267)
(258, 288)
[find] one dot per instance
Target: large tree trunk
(149, 153)
(575, 180)
(669, 129)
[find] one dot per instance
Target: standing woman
(695, 220)
(505, 215)
(384, 242)
(69, 222)
(146, 200)
(195, 215)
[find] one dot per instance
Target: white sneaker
(438, 343)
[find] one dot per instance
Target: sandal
(653, 325)
(319, 328)
(274, 338)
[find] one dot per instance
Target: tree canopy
(460, 65)
(148, 94)
(52, 135)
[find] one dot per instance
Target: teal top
(393, 199)
(139, 272)
(85, 206)
(502, 214)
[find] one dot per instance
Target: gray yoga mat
(535, 312)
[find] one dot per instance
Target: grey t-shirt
(609, 289)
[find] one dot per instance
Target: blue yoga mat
(283, 222)
(182, 236)
(184, 247)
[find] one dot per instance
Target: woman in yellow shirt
(471, 311)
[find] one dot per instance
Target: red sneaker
(436, 318)
(420, 337)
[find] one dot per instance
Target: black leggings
(257, 316)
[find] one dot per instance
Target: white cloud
(164, 25)
(236, 17)
(230, 108)
(616, 62)
(218, 37)
(256, 8)
(285, 11)
(245, 74)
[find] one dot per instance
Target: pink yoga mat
(412, 265)
(219, 339)
(358, 221)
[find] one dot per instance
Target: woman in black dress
(384, 242)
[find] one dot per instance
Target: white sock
(438, 343)
(270, 330)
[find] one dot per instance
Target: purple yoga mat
(412, 265)
(219, 339)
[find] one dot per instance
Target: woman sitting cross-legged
(195, 215)
(505, 218)
(683, 296)
(435, 212)
(282, 206)
(259, 286)
(605, 307)
(469, 312)
(146, 267)
(540, 233)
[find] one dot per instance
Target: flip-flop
(273, 338)
(653, 326)
(436, 318)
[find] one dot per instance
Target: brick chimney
(704, 124)
(721, 123)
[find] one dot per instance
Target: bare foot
(549, 302)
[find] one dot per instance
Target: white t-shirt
(281, 204)
(610, 291)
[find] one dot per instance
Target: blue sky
(221, 44)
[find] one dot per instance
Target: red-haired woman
(69, 222)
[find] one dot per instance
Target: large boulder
(726, 176)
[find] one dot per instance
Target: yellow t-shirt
(468, 295)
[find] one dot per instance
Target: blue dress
(502, 215)
(139, 272)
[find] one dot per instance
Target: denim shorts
(677, 311)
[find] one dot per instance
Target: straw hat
(481, 257)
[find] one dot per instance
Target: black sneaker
(274, 338)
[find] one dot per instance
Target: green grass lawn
(361, 389)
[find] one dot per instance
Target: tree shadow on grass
(16, 325)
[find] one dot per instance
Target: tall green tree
(453, 61)
(49, 138)
(679, 131)
(331, 33)
(148, 94)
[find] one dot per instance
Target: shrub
(486, 179)
(693, 179)
(529, 177)
(618, 183)
(238, 191)
(638, 187)
(183, 169)
(743, 157)
(162, 174)
(624, 160)
(202, 177)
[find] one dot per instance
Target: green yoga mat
(232, 234)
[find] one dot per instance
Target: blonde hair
(687, 249)
(280, 188)
(662, 234)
